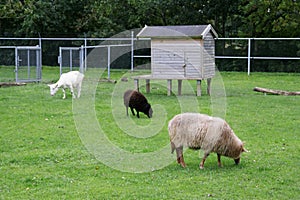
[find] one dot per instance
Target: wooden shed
(180, 53)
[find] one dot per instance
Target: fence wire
(232, 54)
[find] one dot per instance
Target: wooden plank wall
(209, 56)
(169, 57)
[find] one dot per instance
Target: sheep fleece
(136, 100)
(199, 131)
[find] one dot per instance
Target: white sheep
(199, 131)
(71, 80)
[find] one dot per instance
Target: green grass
(42, 155)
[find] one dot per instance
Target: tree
(171, 12)
(49, 18)
(264, 18)
(222, 14)
(109, 17)
(10, 17)
(104, 18)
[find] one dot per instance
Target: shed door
(176, 58)
(168, 63)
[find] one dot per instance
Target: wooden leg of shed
(198, 87)
(169, 87)
(208, 86)
(136, 84)
(147, 86)
(179, 87)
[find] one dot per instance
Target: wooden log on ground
(8, 84)
(107, 80)
(276, 92)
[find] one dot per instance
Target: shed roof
(182, 31)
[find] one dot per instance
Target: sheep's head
(147, 110)
(237, 160)
(53, 88)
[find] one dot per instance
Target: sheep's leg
(64, 93)
(219, 160)
(78, 90)
(172, 147)
(237, 161)
(72, 92)
(132, 111)
(203, 160)
(138, 114)
(179, 153)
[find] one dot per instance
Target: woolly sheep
(136, 100)
(71, 80)
(199, 131)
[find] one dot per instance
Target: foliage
(42, 156)
(104, 18)
(45, 18)
(270, 18)
(222, 14)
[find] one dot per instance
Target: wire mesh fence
(232, 54)
(258, 54)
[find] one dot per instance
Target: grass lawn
(47, 143)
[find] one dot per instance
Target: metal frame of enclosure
(70, 51)
(108, 47)
(83, 46)
(249, 57)
(82, 51)
(26, 60)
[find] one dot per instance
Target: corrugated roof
(194, 31)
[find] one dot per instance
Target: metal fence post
(17, 63)
(108, 62)
(28, 63)
(81, 59)
(85, 53)
(71, 56)
(249, 55)
(60, 61)
(132, 49)
(41, 54)
(39, 60)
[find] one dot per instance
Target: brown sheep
(199, 131)
(136, 100)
